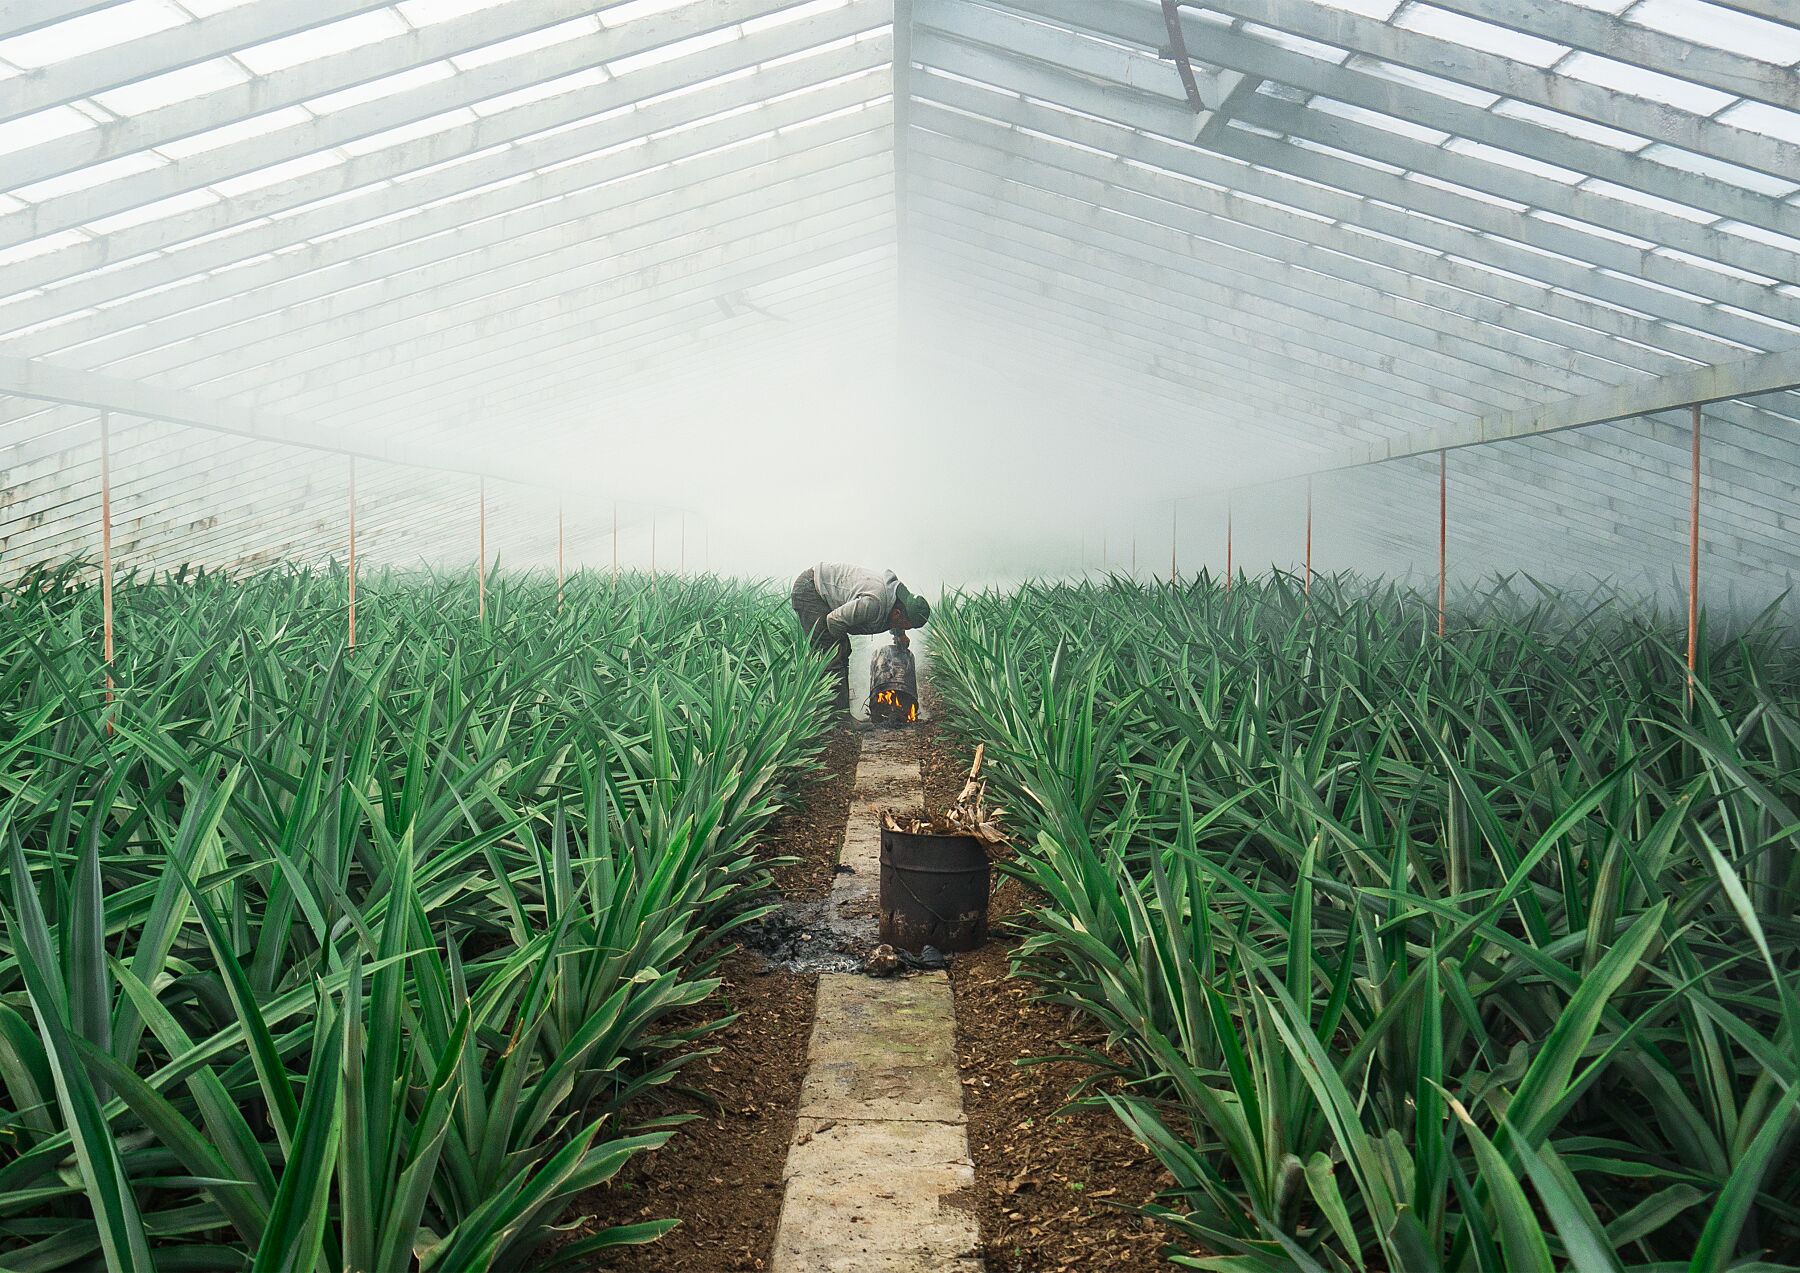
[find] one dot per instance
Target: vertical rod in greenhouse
(615, 541)
(1693, 598)
(106, 570)
(1308, 583)
(681, 557)
(352, 567)
(1228, 511)
(559, 556)
(653, 547)
(481, 573)
(1443, 531)
(1174, 540)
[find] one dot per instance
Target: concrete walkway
(878, 1178)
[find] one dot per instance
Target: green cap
(918, 610)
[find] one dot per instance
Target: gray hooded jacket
(860, 600)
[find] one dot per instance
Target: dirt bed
(813, 830)
(721, 1173)
(1051, 1187)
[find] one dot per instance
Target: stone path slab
(878, 1177)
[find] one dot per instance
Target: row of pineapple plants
(317, 958)
(1475, 953)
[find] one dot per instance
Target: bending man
(835, 602)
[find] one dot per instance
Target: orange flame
(891, 698)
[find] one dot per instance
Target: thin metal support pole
(1174, 541)
(1693, 614)
(352, 644)
(615, 542)
(1308, 585)
(481, 579)
(1134, 554)
(559, 556)
(1228, 546)
(1103, 561)
(1443, 531)
(681, 558)
(106, 565)
(652, 547)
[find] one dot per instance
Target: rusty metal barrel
(934, 891)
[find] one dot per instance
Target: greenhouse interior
(899, 636)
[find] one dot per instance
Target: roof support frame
(541, 128)
(618, 207)
(1244, 51)
(1556, 291)
(1431, 217)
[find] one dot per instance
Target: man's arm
(860, 615)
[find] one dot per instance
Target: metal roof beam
(1070, 169)
(1509, 78)
(1243, 51)
(1470, 298)
(1500, 181)
(43, 449)
(1482, 362)
(30, 379)
(319, 133)
(762, 265)
(284, 87)
(174, 282)
(1552, 377)
(1745, 449)
(227, 31)
(540, 128)
(264, 349)
(1563, 256)
(1594, 31)
(1134, 347)
(1216, 314)
(21, 16)
(478, 243)
(1765, 373)
(479, 309)
(500, 383)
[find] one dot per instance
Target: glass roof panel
(317, 42)
(1722, 28)
(561, 33)
(275, 173)
(118, 24)
(424, 13)
(1760, 117)
(89, 177)
(1476, 34)
(33, 130)
(1419, 79)
(1702, 166)
(241, 130)
(1636, 80)
(1572, 126)
(173, 86)
(386, 86)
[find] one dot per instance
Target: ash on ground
(800, 937)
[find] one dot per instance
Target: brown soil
(1051, 1186)
(813, 828)
(721, 1173)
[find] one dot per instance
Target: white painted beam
(224, 32)
(647, 90)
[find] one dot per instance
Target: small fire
(891, 698)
